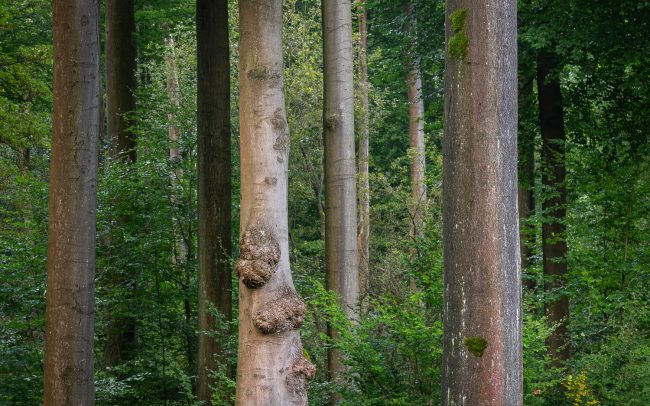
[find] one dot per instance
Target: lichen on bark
(259, 256)
(459, 42)
(476, 345)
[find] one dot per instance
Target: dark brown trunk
(551, 118)
(120, 76)
(214, 189)
(71, 230)
(120, 61)
(482, 349)
(525, 190)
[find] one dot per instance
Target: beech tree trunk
(120, 60)
(340, 171)
(120, 76)
(554, 247)
(482, 340)
(214, 184)
(271, 367)
(73, 180)
(363, 240)
(416, 129)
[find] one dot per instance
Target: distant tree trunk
(340, 171)
(416, 133)
(363, 240)
(120, 76)
(416, 128)
(271, 367)
(120, 60)
(214, 189)
(182, 251)
(551, 117)
(482, 349)
(525, 192)
(73, 180)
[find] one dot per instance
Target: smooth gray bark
(340, 168)
(416, 129)
(271, 367)
(482, 339)
(71, 229)
(214, 184)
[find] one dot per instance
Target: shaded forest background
(147, 224)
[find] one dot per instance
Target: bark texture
(71, 230)
(482, 339)
(214, 183)
(554, 247)
(363, 240)
(271, 368)
(416, 128)
(120, 76)
(340, 168)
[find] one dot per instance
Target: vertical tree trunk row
(214, 184)
(554, 247)
(482, 354)
(340, 168)
(73, 180)
(363, 240)
(271, 367)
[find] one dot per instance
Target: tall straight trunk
(120, 60)
(215, 188)
(416, 128)
(554, 247)
(482, 323)
(340, 171)
(182, 250)
(271, 367)
(73, 180)
(363, 240)
(120, 76)
(525, 188)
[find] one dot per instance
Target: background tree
(482, 340)
(270, 312)
(71, 232)
(363, 243)
(340, 171)
(120, 61)
(554, 247)
(214, 185)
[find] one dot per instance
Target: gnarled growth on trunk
(271, 369)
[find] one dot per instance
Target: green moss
(476, 345)
(458, 42)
